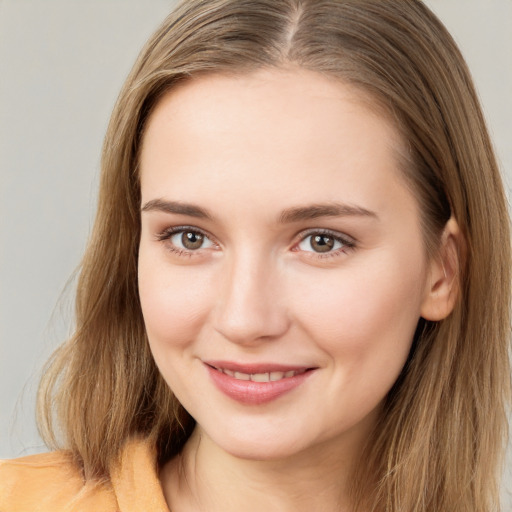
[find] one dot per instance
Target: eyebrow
(287, 216)
(314, 211)
(176, 207)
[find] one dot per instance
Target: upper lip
(254, 368)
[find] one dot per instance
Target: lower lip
(255, 393)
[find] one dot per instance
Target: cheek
(174, 303)
(363, 319)
(365, 313)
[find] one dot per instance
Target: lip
(251, 392)
(255, 367)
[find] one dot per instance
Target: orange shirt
(51, 482)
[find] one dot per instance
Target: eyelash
(167, 234)
(348, 243)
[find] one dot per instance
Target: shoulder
(51, 482)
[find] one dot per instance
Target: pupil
(322, 243)
(192, 240)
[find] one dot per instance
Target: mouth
(269, 376)
(256, 384)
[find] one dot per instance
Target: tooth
(229, 372)
(242, 376)
(260, 377)
(276, 375)
(291, 373)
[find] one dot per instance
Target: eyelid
(166, 234)
(347, 241)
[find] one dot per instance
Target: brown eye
(322, 243)
(192, 240)
(188, 240)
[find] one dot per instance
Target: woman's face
(282, 269)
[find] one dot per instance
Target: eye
(325, 242)
(190, 240)
(183, 239)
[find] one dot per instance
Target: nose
(250, 307)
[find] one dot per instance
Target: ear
(442, 286)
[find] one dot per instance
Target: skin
(246, 149)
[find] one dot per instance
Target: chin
(262, 442)
(260, 451)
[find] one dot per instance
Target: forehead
(289, 130)
(275, 94)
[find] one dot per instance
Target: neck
(204, 477)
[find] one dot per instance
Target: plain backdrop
(62, 64)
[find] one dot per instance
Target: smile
(256, 384)
(261, 377)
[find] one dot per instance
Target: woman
(296, 293)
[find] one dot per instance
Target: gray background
(62, 64)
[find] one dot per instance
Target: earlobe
(442, 286)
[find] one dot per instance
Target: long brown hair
(441, 435)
